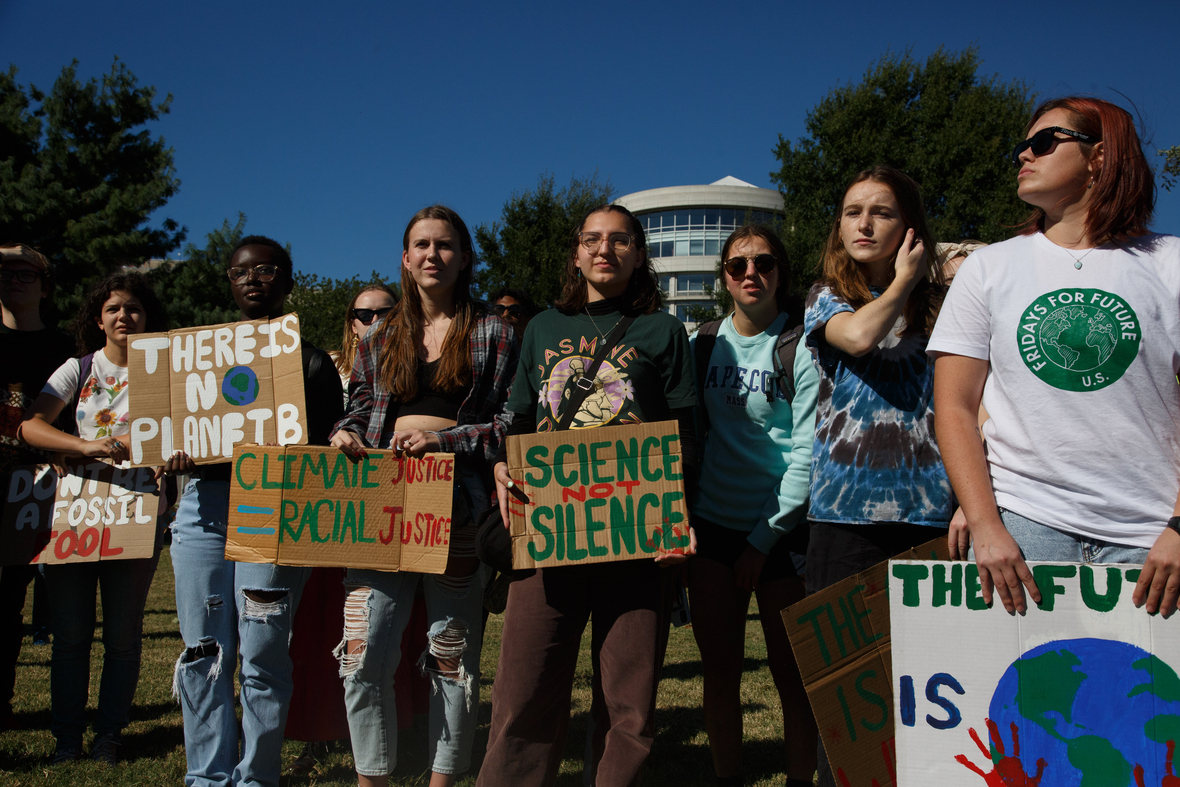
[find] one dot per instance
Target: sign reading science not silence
(313, 506)
(597, 495)
(205, 390)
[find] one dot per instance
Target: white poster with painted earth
(1080, 690)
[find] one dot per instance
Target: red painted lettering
(601, 490)
(88, 541)
(104, 549)
(387, 536)
(628, 485)
(67, 542)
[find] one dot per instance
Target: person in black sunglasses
(1074, 326)
(514, 307)
(367, 308)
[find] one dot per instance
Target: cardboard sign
(96, 512)
(206, 390)
(597, 495)
(841, 640)
(313, 506)
(1082, 689)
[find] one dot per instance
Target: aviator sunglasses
(763, 263)
(367, 316)
(1041, 141)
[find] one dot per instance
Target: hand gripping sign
(597, 495)
(95, 512)
(1083, 688)
(205, 390)
(313, 506)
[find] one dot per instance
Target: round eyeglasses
(262, 273)
(618, 242)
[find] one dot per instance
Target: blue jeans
(73, 589)
(1041, 542)
(217, 619)
(376, 612)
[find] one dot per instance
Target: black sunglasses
(763, 263)
(513, 310)
(367, 316)
(1041, 141)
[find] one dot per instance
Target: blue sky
(330, 125)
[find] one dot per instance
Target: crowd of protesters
(817, 441)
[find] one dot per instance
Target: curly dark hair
(85, 326)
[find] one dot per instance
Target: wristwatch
(1174, 524)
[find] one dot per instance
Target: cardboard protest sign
(1082, 689)
(841, 640)
(95, 512)
(597, 495)
(313, 506)
(205, 390)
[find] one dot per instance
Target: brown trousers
(543, 625)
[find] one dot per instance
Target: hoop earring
(355, 341)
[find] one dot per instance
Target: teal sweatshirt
(757, 455)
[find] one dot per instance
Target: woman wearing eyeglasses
(752, 495)
(1070, 336)
(94, 388)
(607, 277)
(432, 376)
(878, 485)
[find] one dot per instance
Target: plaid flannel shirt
(482, 419)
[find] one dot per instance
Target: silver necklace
(1077, 261)
(600, 333)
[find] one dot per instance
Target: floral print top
(103, 400)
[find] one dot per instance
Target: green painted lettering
(572, 550)
(546, 533)
(910, 576)
(1106, 601)
(668, 446)
(338, 469)
(361, 533)
(286, 517)
(287, 460)
(596, 463)
(1046, 576)
(941, 587)
(622, 525)
(535, 457)
(650, 444)
(312, 516)
(627, 457)
(266, 482)
(873, 698)
(319, 467)
(349, 522)
(648, 543)
(817, 628)
(594, 526)
(238, 472)
(583, 464)
(369, 465)
(673, 517)
(559, 466)
(847, 713)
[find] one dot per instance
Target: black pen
(517, 492)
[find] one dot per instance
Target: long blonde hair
(347, 356)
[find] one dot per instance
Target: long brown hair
(1122, 197)
(846, 279)
(399, 362)
(642, 295)
(347, 356)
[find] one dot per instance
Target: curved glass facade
(696, 232)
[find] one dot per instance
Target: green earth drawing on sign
(1082, 337)
(239, 387)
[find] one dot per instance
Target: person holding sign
(878, 485)
(1083, 458)
(225, 606)
(94, 387)
(433, 376)
(607, 278)
(759, 442)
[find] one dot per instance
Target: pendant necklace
(600, 333)
(1077, 261)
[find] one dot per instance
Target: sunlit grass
(153, 750)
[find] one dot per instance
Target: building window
(696, 232)
(683, 310)
(693, 283)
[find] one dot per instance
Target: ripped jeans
(217, 619)
(376, 611)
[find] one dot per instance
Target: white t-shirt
(1084, 434)
(103, 403)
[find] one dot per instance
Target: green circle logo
(1078, 340)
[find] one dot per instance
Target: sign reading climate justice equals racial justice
(314, 506)
(597, 495)
(206, 390)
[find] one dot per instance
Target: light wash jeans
(216, 619)
(376, 611)
(73, 589)
(1041, 542)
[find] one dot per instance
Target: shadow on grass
(692, 669)
(155, 743)
(681, 754)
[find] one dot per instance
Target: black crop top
(429, 401)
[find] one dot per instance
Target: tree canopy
(322, 302)
(80, 175)
(1171, 170)
(528, 247)
(939, 122)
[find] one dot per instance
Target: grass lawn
(153, 750)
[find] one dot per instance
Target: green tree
(322, 302)
(940, 122)
(527, 249)
(80, 175)
(1171, 166)
(196, 289)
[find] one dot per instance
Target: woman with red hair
(1047, 330)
